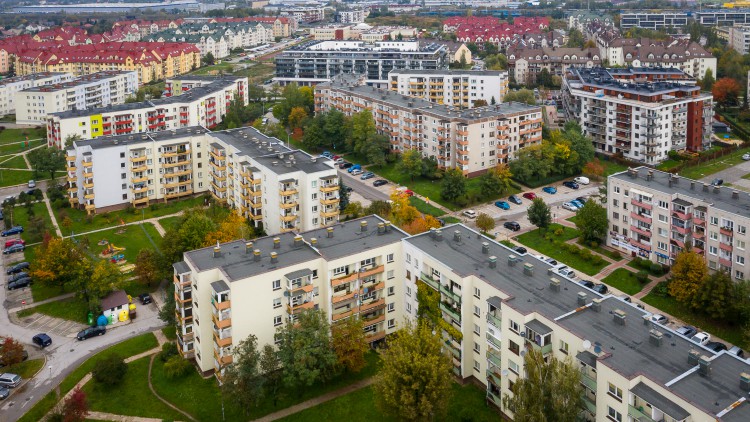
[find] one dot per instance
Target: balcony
(344, 297)
(448, 292)
(453, 313)
(374, 320)
(430, 281)
(494, 357)
(292, 309)
(342, 315)
(222, 305)
(139, 179)
(682, 230)
(140, 201)
(353, 276)
(287, 205)
(332, 213)
(288, 217)
(221, 323)
(372, 305)
(493, 320)
(223, 360)
(288, 191)
(726, 231)
(643, 245)
(330, 187)
(330, 201)
(453, 348)
(641, 231)
(645, 218)
(87, 163)
(375, 336)
(725, 247)
(638, 414)
(138, 159)
(224, 341)
(139, 168)
(726, 262)
(644, 205)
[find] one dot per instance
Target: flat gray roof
(181, 267)
(134, 139)
(297, 274)
(219, 286)
(720, 198)
(348, 237)
(538, 327)
(448, 72)
(81, 80)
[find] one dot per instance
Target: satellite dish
(504, 372)
(523, 353)
(586, 344)
(597, 349)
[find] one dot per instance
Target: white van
(581, 180)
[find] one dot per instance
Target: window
(713, 235)
(740, 244)
(513, 366)
(477, 347)
(714, 221)
(315, 274)
(740, 259)
(390, 274)
(391, 323)
(514, 327)
(408, 258)
(513, 347)
(614, 391)
(389, 258)
(277, 303)
(741, 229)
(661, 245)
(713, 250)
(408, 307)
(477, 330)
(277, 320)
(408, 291)
(663, 232)
(564, 347)
(617, 189)
(276, 284)
(339, 271)
(477, 368)
(663, 204)
(390, 307)
(391, 291)
(614, 415)
(477, 293)
(739, 275)
(477, 311)
(367, 262)
(663, 218)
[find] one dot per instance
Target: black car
(18, 276)
(349, 189)
(91, 332)
(145, 298)
(512, 225)
(345, 165)
(42, 340)
(515, 199)
(601, 289)
(570, 184)
(18, 284)
(717, 182)
(380, 182)
(520, 249)
(587, 283)
(17, 268)
(716, 346)
(581, 199)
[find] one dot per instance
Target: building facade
(203, 105)
(9, 87)
(224, 295)
(525, 64)
(655, 215)
(459, 88)
(315, 62)
(278, 188)
(642, 113)
(97, 90)
(723, 17)
(654, 21)
(352, 15)
(739, 38)
(472, 141)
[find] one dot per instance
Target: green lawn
(17, 135)
(133, 238)
(425, 208)
(713, 166)
(730, 333)
(27, 368)
(20, 177)
(467, 403)
(130, 347)
(73, 309)
(535, 240)
(623, 280)
(134, 398)
(632, 264)
(21, 217)
(610, 167)
(169, 333)
(214, 69)
(258, 73)
(450, 219)
(41, 292)
(16, 162)
(169, 222)
(80, 223)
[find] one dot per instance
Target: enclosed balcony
(539, 336)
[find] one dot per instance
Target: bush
(594, 244)
(614, 254)
(176, 367)
(642, 277)
(559, 232)
(661, 289)
(109, 370)
(657, 269)
(168, 350)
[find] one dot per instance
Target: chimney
(596, 304)
(717, 189)
(528, 269)
(330, 232)
(297, 241)
(511, 260)
(381, 228)
(655, 337)
(387, 226)
(493, 261)
(554, 284)
(433, 232)
(363, 226)
(313, 241)
(694, 356)
(217, 250)
(439, 235)
(581, 299)
(704, 365)
(485, 248)
(745, 381)
(457, 236)
(692, 185)
(274, 257)
(650, 175)
(676, 179)
(633, 173)
(248, 247)
(735, 195)
(705, 187)
(256, 255)
(276, 243)
(619, 316)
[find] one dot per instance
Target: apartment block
(219, 39)
(739, 38)
(319, 61)
(10, 86)
(472, 141)
(203, 105)
(642, 113)
(723, 17)
(225, 293)
(97, 90)
(459, 88)
(278, 188)
(656, 215)
(526, 63)
(654, 21)
(352, 15)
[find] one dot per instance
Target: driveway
(732, 175)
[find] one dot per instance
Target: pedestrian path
(101, 416)
(152, 220)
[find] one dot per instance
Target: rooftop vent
(554, 284)
(274, 257)
(256, 255)
(582, 298)
(704, 365)
(457, 236)
(692, 185)
(276, 243)
(633, 173)
(313, 241)
(439, 235)
(705, 187)
(717, 189)
(735, 195)
(248, 247)
(528, 269)
(485, 248)
(330, 232)
(655, 338)
(619, 317)
(596, 304)
(381, 228)
(363, 226)
(217, 250)
(297, 241)
(493, 261)
(512, 260)
(694, 356)
(745, 381)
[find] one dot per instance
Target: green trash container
(91, 318)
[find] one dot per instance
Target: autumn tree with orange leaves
(726, 92)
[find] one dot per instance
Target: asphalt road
(365, 187)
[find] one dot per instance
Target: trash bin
(91, 318)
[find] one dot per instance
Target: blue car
(570, 184)
(577, 203)
(327, 154)
(502, 205)
(549, 189)
(514, 199)
(12, 231)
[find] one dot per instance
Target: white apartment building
(10, 86)
(656, 215)
(642, 113)
(217, 39)
(502, 303)
(352, 15)
(203, 105)
(472, 141)
(459, 88)
(228, 292)
(110, 87)
(654, 21)
(739, 39)
(278, 188)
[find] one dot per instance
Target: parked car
(512, 225)
(581, 199)
(502, 205)
(367, 175)
(602, 289)
(16, 268)
(336, 157)
(564, 270)
(9, 380)
(587, 283)
(716, 346)
(144, 298)
(18, 284)
(327, 154)
(515, 199)
(348, 188)
(345, 165)
(520, 249)
(470, 213)
(687, 330)
(355, 172)
(581, 180)
(551, 261)
(660, 319)
(354, 168)
(701, 338)
(736, 351)
(408, 192)
(550, 189)
(9, 198)
(529, 195)
(568, 206)
(11, 231)
(42, 340)
(746, 157)
(626, 298)
(12, 242)
(717, 182)
(570, 184)
(4, 393)
(31, 184)
(338, 160)
(18, 276)
(13, 249)
(91, 332)
(578, 204)
(380, 182)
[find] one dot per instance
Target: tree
(410, 163)
(349, 343)
(717, 296)
(539, 213)
(314, 136)
(421, 224)
(209, 59)
(402, 212)
(726, 92)
(591, 220)
(381, 208)
(414, 382)
(496, 62)
(76, 407)
(544, 78)
(11, 351)
(454, 185)
(271, 371)
(594, 169)
(232, 227)
(550, 391)
(147, 270)
(480, 103)
(305, 350)
(707, 83)
(243, 381)
(105, 277)
(525, 96)
(495, 182)
(61, 263)
(363, 131)
(47, 160)
(109, 370)
(376, 149)
(575, 38)
(485, 223)
(343, 194)
(689, 274)
(296, 117)
(190, 233)
(71, 138)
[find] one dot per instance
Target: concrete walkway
(101, 416)
(153, 220)
(51, 214)
(41, 302)
(317, 400)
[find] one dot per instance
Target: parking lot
(18, 296)
(49, 325)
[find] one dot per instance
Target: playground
(121, 244)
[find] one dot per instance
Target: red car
(529, 195)
(335, 157)
(12, 242)
(409, 192)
